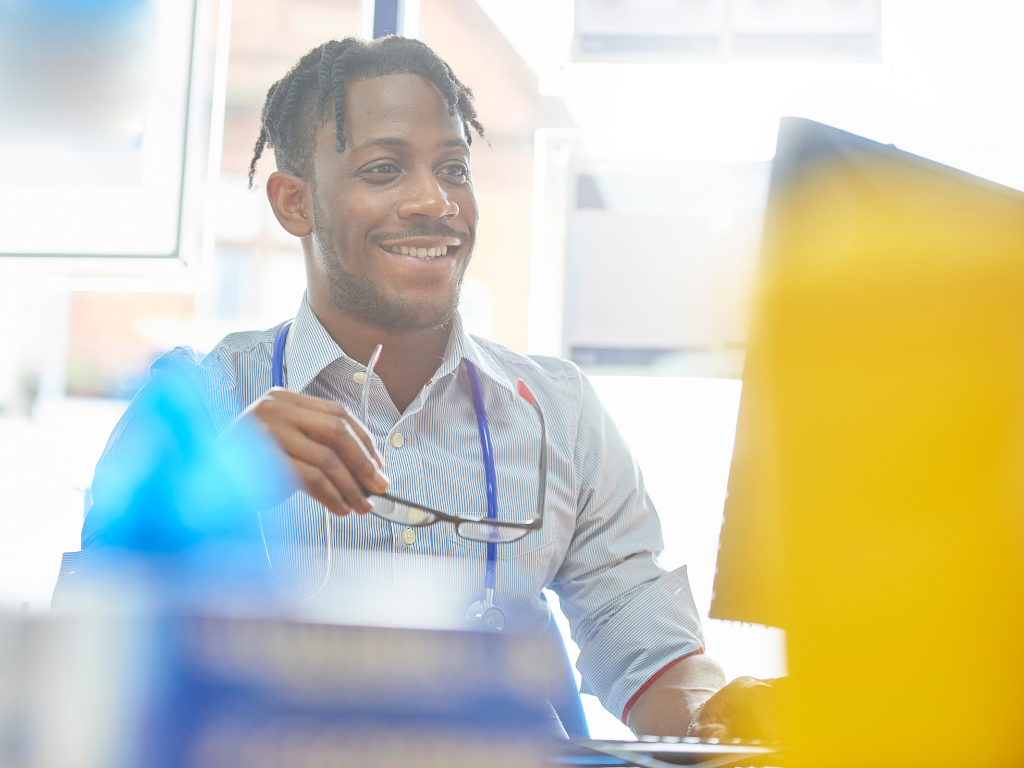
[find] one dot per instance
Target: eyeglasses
(483, 529)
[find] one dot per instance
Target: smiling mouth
(426, 254)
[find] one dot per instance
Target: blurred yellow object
(876, 500)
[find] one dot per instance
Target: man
(372, 143)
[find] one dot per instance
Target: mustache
(437, 229)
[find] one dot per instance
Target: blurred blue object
(174, 525)
(186, 486)
(174, 690)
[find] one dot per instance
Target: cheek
(468, 206)
(351, 215)
(366, 209)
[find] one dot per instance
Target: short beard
(358, 296)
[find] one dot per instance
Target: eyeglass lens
(474, 530)
(491, 533)
(401, 513)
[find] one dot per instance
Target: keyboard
(653, 752)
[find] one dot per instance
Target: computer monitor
(876, 496)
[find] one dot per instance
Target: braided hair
(296, 104)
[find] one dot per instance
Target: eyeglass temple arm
(365, 399)
(542, 472)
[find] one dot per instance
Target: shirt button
(397, 440)
(359, 377)
(408, 537)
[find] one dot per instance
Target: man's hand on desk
(329, 449)
(746, 708)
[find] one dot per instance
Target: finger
(369, 467)
(332, 409)
(338, 433)
(327, 423)
(745, 708)
(363, 434)
(710, 731)
(320, 488)
(357, 426)
(323, 458)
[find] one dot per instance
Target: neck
(408, 360)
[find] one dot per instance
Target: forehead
(403, 106)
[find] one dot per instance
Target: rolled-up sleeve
(630, 617)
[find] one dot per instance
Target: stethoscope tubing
(277, 361)
(490, 577)
(277, 380)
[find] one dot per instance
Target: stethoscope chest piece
(490, 616)
(493, 619)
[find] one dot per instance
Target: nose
(427, 198)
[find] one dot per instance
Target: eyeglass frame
(542, 472)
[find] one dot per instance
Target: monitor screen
(876, 494)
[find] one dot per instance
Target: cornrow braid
(261, 139)
(338, 83)
(296, 105)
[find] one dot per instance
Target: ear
(292, 201)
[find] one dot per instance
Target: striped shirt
(597, 549)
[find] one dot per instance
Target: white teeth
(421, 253)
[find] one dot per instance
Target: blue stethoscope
(484, 610)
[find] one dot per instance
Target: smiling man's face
(395, 214)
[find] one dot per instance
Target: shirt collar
(310, 349)
(462, 346)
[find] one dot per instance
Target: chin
(423, 310)
(407, 317)
(437, 319)
(394, 310)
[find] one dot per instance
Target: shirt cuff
(652, 681)
(658, 626)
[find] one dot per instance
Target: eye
(384, 168)
(455, 171)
